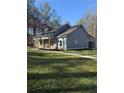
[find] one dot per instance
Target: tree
(32, 13)
(55, 19)
(42, 17)
(30, 19)
(49, 18)
(89, 21)
(46, 12)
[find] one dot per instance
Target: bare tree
(41, 17)
(89, 21)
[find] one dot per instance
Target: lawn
(83, 52)
(57, 73)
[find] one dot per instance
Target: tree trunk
(34, 31)
(27, 30)
(27, 35)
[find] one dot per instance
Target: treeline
(41, 18)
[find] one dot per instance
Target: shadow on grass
(36, 54)
(59, 63)
(60, 75)
(82, 89)
(53, 60)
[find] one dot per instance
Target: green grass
(83, 52)
(57, 73)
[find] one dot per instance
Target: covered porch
(45, 42)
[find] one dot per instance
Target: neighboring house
(65, 38)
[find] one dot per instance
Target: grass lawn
(57, 73)
(83, 52)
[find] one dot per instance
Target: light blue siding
(77, 39)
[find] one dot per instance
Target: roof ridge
(69, 30)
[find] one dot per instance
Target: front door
(62, 43)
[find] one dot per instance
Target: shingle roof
(68, 31)
(73, 28)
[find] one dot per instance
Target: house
(65, 38)
(75, 37)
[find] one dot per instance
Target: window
(60, 42)
(91, 44)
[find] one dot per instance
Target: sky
(71, 10)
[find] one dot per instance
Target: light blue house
(75, 38)
(66, 38)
